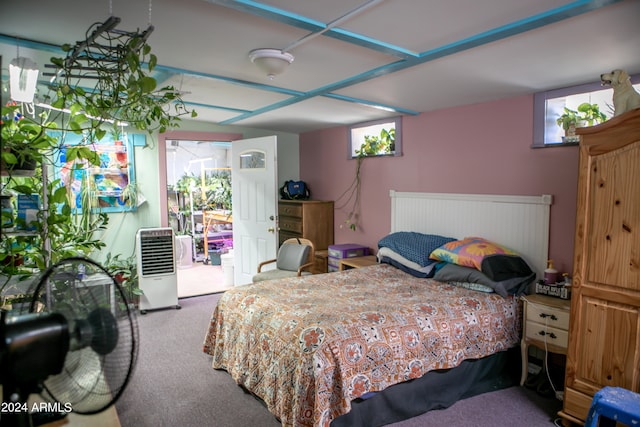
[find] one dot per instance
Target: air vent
(156, 252)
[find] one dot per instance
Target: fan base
(52, 419)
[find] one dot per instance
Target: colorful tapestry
(308, 346)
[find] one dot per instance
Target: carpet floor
(174, 385)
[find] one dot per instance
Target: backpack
(295, 190)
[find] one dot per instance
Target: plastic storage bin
(345, 250)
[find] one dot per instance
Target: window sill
(556, 144)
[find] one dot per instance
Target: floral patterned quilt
(308, 346)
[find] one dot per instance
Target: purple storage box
(347, 250)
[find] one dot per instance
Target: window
(376, 138)
(253, 160)
(548, 106)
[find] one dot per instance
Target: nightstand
(320, 264)
(357, 262)
(545, 325)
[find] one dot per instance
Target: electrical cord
(557, 394)
(546, 358)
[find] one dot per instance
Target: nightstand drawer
(541, 332)
(545, 325)
(551, 316)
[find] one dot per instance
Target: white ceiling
(412, 55)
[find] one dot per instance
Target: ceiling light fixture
(271, 61)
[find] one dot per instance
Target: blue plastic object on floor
(615, 403)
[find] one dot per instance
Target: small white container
(226, 261)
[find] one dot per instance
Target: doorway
(195, 184)
(288, 152)
(199, 196)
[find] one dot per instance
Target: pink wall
(480, 149)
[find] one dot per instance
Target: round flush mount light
(271, 61)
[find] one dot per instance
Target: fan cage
(89, 382)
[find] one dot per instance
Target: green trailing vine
(119, 65)
(374, 145)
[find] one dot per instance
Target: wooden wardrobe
(604, 328)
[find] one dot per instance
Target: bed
(332, 348)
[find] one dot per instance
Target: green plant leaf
(153, 60)
(59, 195)
(100, 133)
(147, 84)
(24, 189)
(9, 158)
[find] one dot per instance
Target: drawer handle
(551, 316)
(550, 334)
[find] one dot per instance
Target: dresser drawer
(540, 332)
(309, 219)
(551, 316)
(290, 225)
(294, 210)
(577, 404)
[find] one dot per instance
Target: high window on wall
(376, 138)
(551, 105)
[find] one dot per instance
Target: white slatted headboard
(518, 222)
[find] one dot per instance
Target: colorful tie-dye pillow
(469, 252)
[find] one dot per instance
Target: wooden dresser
(604, 327)
(311, 219)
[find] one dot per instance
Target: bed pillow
(405, 268)
(473, 286)
(389, 256)
(457, 273)
(414, 246)
(469, 252)
(501, 267)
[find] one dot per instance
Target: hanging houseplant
(23, 141)
(119, 62)
(352, 194)
(373, 146)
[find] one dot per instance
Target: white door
(254, 187)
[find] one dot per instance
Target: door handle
(271, 230)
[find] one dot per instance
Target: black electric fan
(75, 343)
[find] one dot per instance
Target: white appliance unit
(156, 264)
(184, 251)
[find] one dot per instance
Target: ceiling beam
(313, 26)
(517, 27)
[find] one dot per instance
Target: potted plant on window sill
(586, 115)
